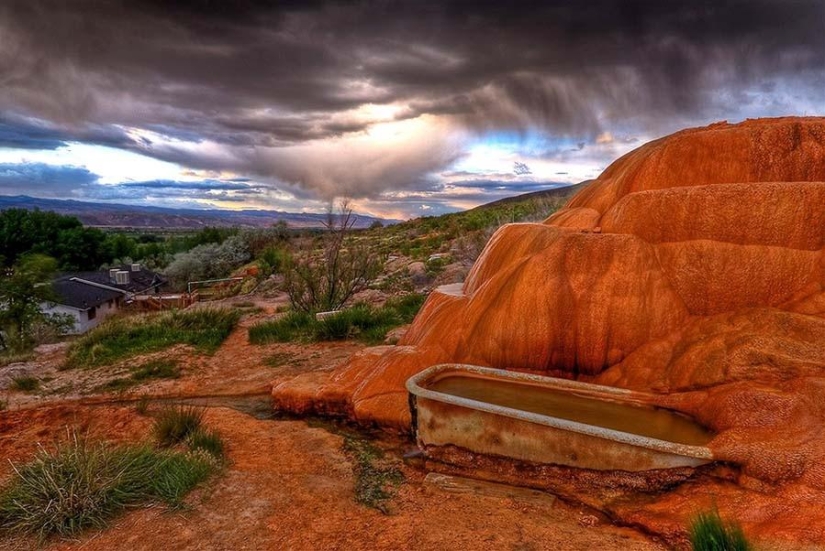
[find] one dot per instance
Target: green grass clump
(122, 338)
(8, 357)
(406, 306)
(82, 485)
(177, 473)
(25, 383)
(142, 405)
(115, 385)
(709, 532)
(207, 440)
(375, 479)
(174, 424)
(155, 369)
(363, 322)
(290, 327)
(279, 359)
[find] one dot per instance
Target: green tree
(121, 246)
(62, 237)
(23, 288)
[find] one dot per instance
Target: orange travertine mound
(692, 267)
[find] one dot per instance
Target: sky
(407, 108)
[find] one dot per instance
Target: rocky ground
(289, 483)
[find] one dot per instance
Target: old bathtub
(550, 421)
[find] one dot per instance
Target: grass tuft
(177, 473)
(207, 440)
(292, 326)
(155, 369)
(709, 532)
(375, 480)
(122, 338)
(278, 360)
(174, 424)
(142, 405)
(363, 322)
(25, 383)
(82, 485)
(8, 357)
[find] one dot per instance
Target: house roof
(139, 280)
(81, 295)
(86, 290)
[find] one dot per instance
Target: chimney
(112, 272)
(135, 267)
(122, 277)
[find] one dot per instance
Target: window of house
(92, 313)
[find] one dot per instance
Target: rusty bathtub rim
(591, 390)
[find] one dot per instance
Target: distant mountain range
(135, 216)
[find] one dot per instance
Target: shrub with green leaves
(82, 485)
(709, 532)
(117, 339)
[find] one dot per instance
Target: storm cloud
(43, 180)
(362, 98)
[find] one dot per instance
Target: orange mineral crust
(691, 268)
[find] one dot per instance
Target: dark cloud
(521, 169)
(203, 185)
(220, 58)
(27, 136)
(20, 132)
(43, 180)
(201, 190)
(282, 87)
(70, 182)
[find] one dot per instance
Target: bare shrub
(336, 267)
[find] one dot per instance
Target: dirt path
(288, 485)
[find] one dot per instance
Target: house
(132, 279)
(90, 297)
(88, 305)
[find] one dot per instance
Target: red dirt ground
(289, 485)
